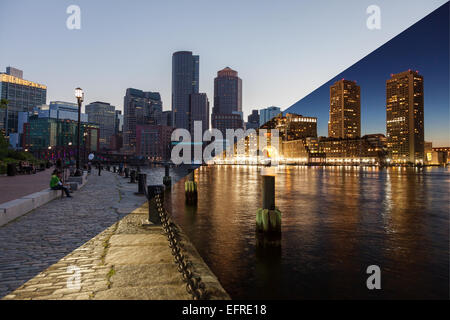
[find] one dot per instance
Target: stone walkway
(124, 261)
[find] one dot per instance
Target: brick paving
(15, 187)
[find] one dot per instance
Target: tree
(4, 104)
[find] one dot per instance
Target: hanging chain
(194, 284)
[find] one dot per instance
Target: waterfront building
(22, 96)
(293, 126)
(140, 108)
(104, 115)
(405, 117)
(351, 151)
(47, 132)
(185, 81)
(267, 114)
(227, 110)
(345, 110)
(153, 141)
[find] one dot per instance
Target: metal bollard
(133, 176)
(167, 180)
(152, 191)
(127, 173)
(142, 183)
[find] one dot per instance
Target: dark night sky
(423, 47)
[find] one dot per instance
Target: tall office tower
(104, 115)
(199, 111)
(267, 114)
(345, 110)
(227, 110)
(252, 120)
(140, 108)
(185, 81)
(405, 117)
(22, 96)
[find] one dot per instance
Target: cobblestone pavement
(125, 261)
(42, 237)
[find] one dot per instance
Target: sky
(283, 50)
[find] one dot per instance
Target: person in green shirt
(56, 184)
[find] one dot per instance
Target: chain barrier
(194, 284)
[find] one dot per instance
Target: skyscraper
(345, 110)
(199, 111)
(22, 96)
(141, 108)
(405, 117)
(103, 114)
(267, 114)
(227, 110)
(185, 81)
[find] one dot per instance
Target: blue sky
(283, 50)
(423, 47)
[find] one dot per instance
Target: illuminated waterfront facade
(22, 96)
(405, 117)
(293, 126)
(345, 110)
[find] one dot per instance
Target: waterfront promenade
(98, 236)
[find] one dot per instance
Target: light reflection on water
(336, 221)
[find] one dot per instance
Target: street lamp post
(79, 94)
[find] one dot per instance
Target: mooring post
(190, 187)
(133, 176)
(142, 183)
(167, 180)
(268, 218)
(153, 213)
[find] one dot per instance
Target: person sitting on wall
(56, 184)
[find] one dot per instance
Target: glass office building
(22, 96)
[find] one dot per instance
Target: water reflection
(336, 221)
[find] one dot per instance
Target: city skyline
(147, 67)
(424, 47)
